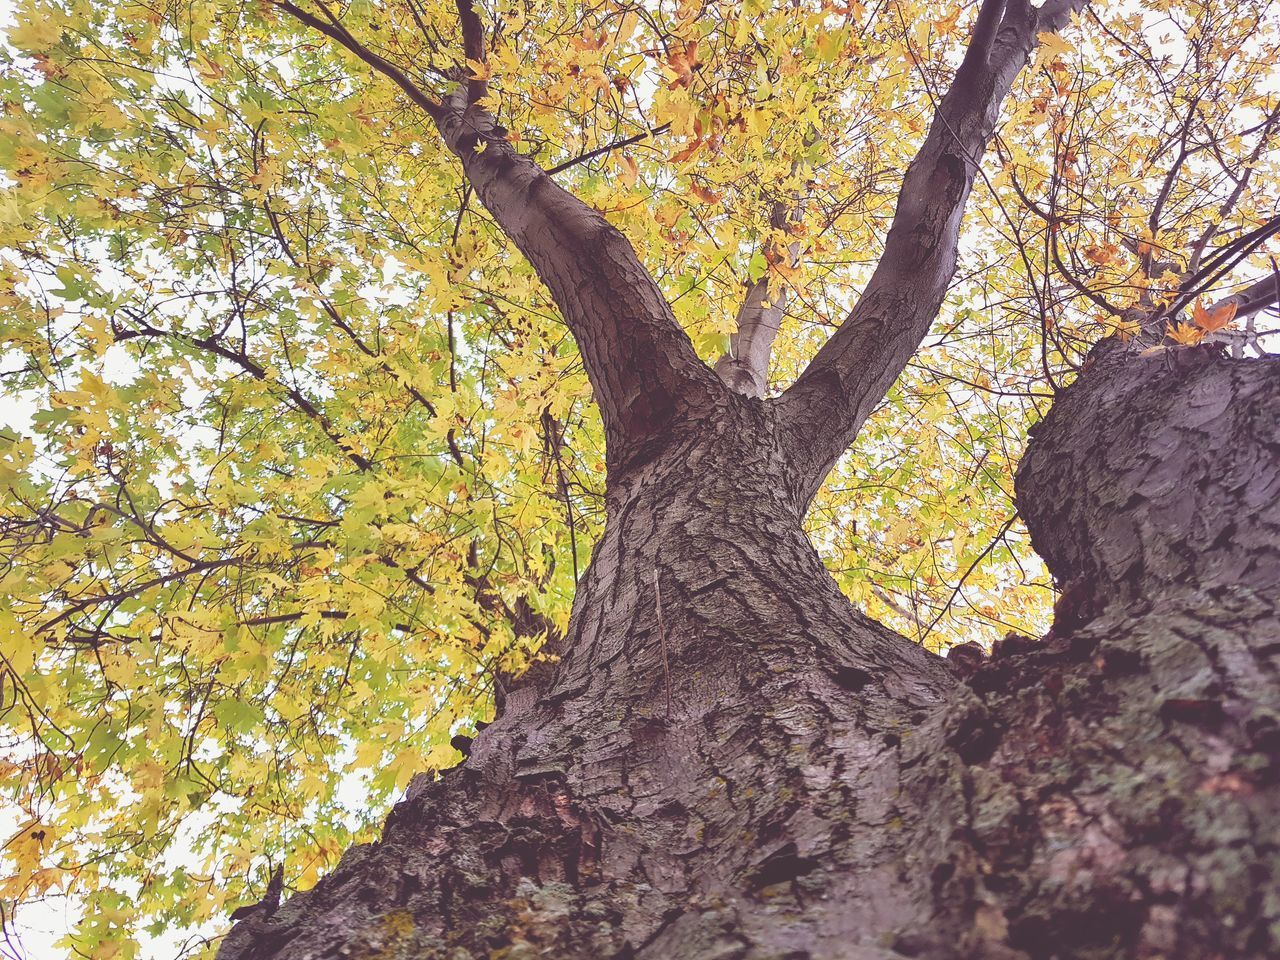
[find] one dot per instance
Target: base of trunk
(730, 762)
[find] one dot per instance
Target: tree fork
(817, 786)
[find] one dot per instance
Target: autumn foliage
(298, 461)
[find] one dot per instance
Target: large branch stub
(1127, 523)
(745, 365)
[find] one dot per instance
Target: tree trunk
(729, 761)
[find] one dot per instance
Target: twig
(617, 144)
(1004, 528)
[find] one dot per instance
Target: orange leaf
(703, 194)
(1211, 320)
(684, 64)
(630, 171)
(687, 152)
(1102, 253)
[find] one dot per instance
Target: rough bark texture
(1120, 793)
(820, 787)
(729, 761)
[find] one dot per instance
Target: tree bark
(729, 761)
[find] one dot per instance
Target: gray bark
(729, 761)
(821, 787)
(853, 371)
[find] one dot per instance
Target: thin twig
(1004, 528)
(616, 145)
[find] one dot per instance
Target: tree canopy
(300, 465)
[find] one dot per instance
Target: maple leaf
(1124, 328)
(703, 194)
(1052, 47)
(630, 170)
(688, 151)
(684, 63)
(1186, 334)
(1102, 253)
(1213, 320)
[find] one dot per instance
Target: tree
(716, 754)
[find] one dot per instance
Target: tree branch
(984, 36)
(1254, 298)
(334, 30)
(473, 47)
(745, 367)
(643, 369)
(1268, 128)
(589, 155)
(642, 366)
(853, 371)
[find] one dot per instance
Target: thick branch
(473, 47)
(642, 365)
(854, 370)
(1256, 297)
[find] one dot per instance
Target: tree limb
(1268, 128)
(745, 367)
(334, 30)
(643, 369)
(589, 155)
(1254, 298)
(473, 47)
(642, 366)
(853, 371)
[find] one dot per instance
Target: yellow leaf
(1186, 334)
(630, 171)
(1052, 47)
(1124, 328)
